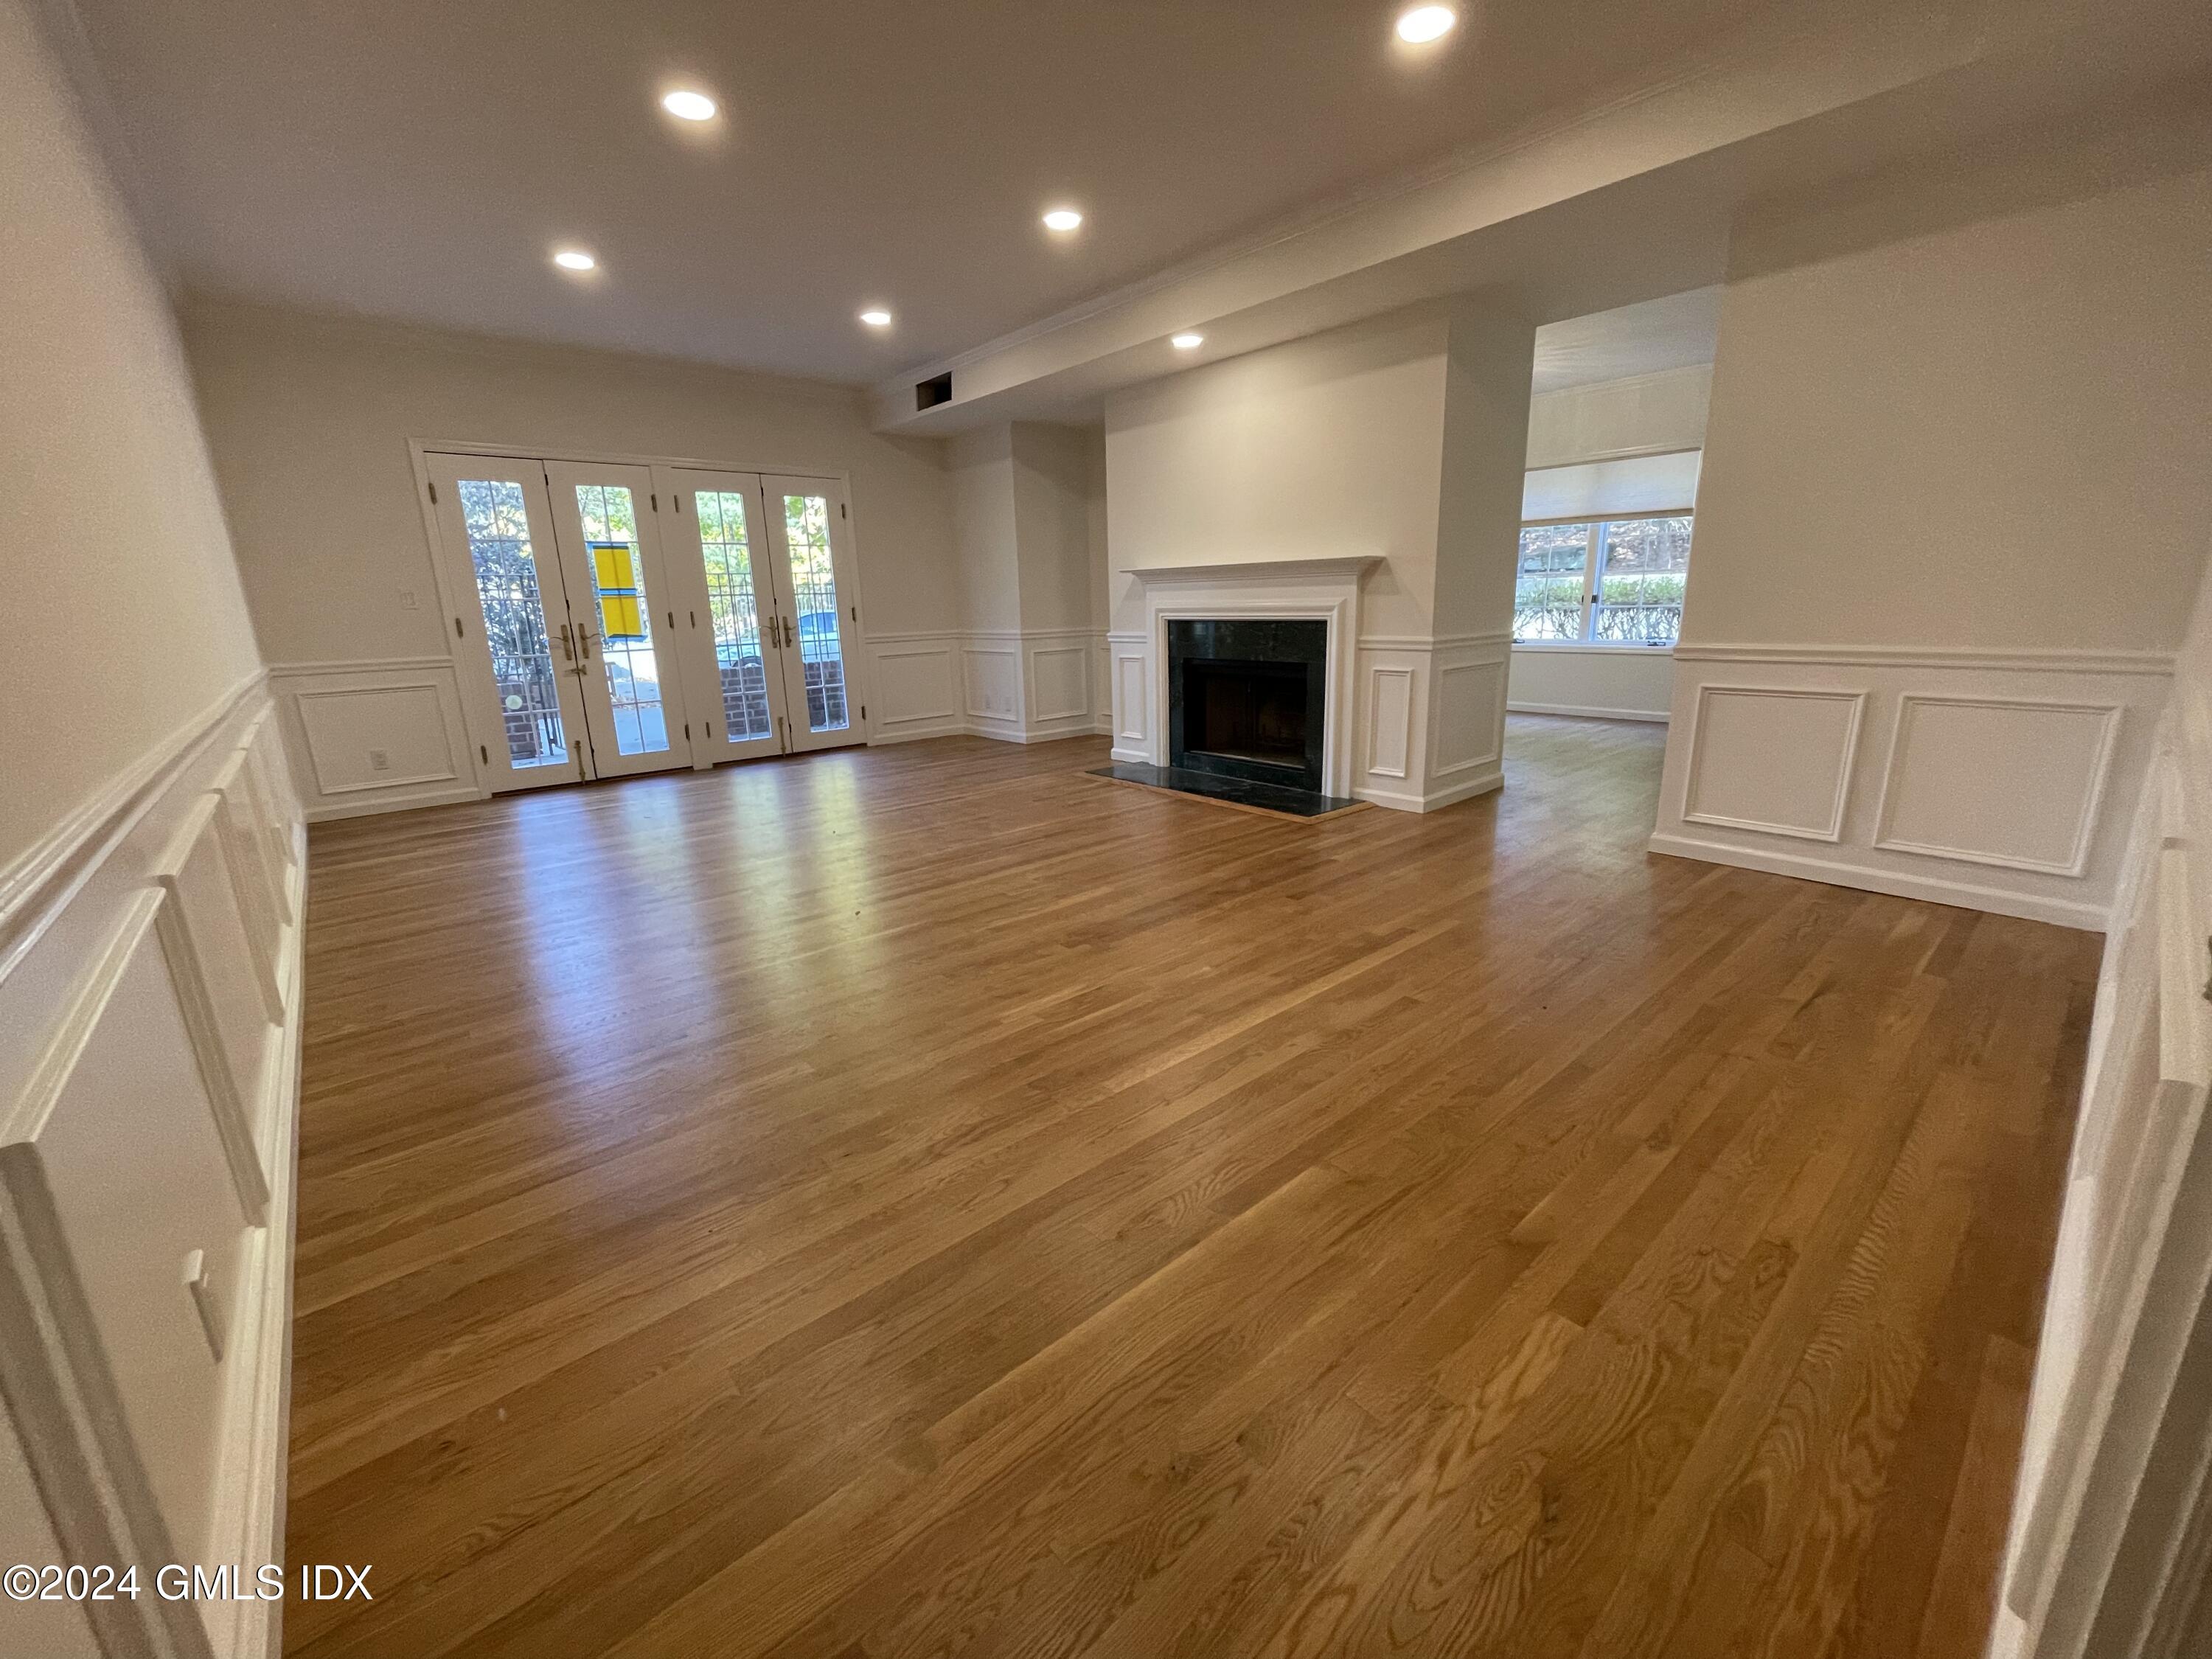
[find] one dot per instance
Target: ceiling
(1674, 333)
(419, 160)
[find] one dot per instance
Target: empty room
(1106, 830)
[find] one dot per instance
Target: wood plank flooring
(926, 1201)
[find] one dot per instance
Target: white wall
(1030, 645)
(149, 892)
(980, 464)
(128, 621)
(1610, 421)
(1401, 439)
(1320, 448)
(1957, 480)
(1051, 481)
(309, 419)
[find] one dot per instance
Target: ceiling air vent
(938, 389)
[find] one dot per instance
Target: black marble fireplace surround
(1248, 699)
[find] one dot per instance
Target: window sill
(1586, 648)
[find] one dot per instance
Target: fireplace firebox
(1246, 698)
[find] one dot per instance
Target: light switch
(407, 599)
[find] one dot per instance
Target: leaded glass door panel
(727, 627)
(809, 542)
(510, 620)
(621, 611)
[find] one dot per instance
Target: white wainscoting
(918, 688)
(1982, 779)
(375, 736)
(149, 1020)
(1029, 686)
(1431, 715)
(2113, 1520)
(1426, 726)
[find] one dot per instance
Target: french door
(772, 613)
(595, 647)
(561, 650)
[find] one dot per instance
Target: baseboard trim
(1403, 801)
(915, 732)
(1964, 895)
(1575, 711)
(402, 800)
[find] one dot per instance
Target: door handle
(568, 650)
(584, 642)
(788, 638)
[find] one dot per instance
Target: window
(1606, 581)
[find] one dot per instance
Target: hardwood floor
(925, 1200)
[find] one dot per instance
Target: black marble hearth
(1215, 786)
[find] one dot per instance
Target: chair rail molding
(149, 1027)
(1983, 777)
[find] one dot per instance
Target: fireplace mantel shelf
(1258, 570)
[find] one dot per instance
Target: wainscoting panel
(1995, 781)
(914, 687)
(150, 1017)
(1389, 724)
(1468, 749)
(1984, 779)
(1059, 683)
(1131, 681)
(992, 675)
(1773, 760)
(375, 736)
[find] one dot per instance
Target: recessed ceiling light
(688, 106)
(876, 317)
(1426, 23)
(574, 258)
(1186, 342)
(1062, 219)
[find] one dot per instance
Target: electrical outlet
(378, 761)
(407, 599)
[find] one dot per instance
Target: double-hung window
(1602, 581)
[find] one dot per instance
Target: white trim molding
(1981, 778)
(1414, 721)
(1323, 590)
(377, 735)
(150, 993)
(1017, 685)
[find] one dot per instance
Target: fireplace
(1247, 698)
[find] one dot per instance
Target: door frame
(419, 449)
(469, 651)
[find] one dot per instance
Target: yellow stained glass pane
(619, 618)
(615, 569)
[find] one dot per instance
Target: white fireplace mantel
(1326, 571)
(1412, 723)
(1294, 589)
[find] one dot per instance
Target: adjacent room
(1106, 830)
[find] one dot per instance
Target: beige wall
(1320, 448)
(980, 466)
(1052, 480)
(1954, 410)
(1955, 505)
(309, 419)
(128, 619)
